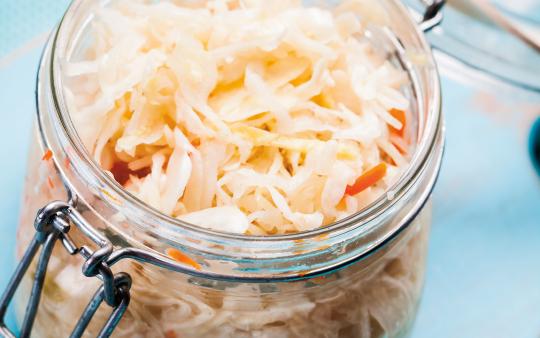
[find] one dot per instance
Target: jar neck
(124, 217)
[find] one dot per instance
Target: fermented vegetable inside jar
(249, 117)
(252, 118)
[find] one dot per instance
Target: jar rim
(423, 154)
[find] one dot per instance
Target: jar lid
(470, 35)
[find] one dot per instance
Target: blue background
(484, 265)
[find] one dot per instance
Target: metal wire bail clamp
(53, 223)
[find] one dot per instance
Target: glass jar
(360, 277)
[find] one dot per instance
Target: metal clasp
(53, 223)
(433, 15)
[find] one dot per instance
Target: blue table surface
(483, 275)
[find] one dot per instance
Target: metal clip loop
(432, 15)
(53, 223)
(122, 283)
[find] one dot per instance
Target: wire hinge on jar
(432, 15)
(53, 223)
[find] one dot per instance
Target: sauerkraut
(243, 116)
(374, 298)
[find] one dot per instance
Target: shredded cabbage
(374, 298)
(242, 116)
(268, 109)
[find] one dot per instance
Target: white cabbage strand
(227, 108)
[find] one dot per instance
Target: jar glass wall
(361, 277)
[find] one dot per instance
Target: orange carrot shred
(368, 179)
(401, 116)
(182, 258)
(50, 182)
(170, 334)
(47, 156)
(400, 146)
